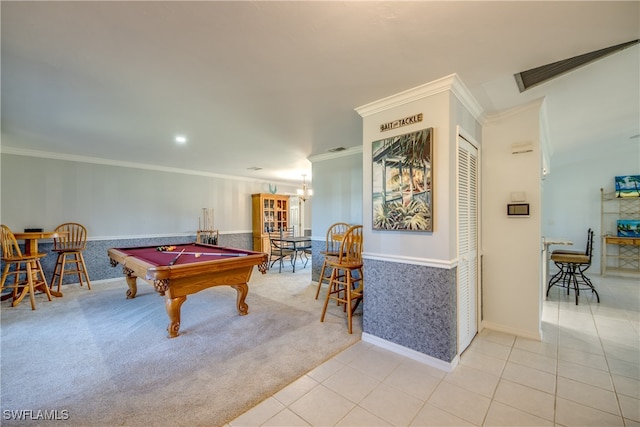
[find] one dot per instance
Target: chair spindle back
(10, 247)
(351, 247)
(335, 233)
(73, 237)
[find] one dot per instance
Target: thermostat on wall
(518, 209)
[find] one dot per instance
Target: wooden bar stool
(346, 284)
(69, 246)
(335, 233)
(27, 274)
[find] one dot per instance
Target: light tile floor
(585, 372)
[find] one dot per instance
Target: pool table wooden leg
(133, 286)
(173, 311)
(243, 290)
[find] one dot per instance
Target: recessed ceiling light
(181, 139)
(254, 168)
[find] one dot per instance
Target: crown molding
(463, 94)
(537, 103)
(450, 83)
(99, 161)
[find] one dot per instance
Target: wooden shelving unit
(270, 212)
(619, 254)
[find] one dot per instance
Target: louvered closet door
(467, 242)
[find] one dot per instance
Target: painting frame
(627, 186)
(402, 182)
(628, 228)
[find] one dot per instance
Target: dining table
(31, 239)
(296, 244)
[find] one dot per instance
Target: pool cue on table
(201, 253)
(176, 258)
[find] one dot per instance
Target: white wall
(511, 278)
(435, 247)
(337, 190)
(445, 104)
(571, 192)
(115, 201)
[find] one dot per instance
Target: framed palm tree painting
(402, 182)
(627, 186)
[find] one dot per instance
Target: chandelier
(305, 192)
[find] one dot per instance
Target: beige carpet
(102, 360)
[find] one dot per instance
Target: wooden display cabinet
(270, 212)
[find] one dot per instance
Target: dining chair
(334, 236)
(279, 250)
(307, 253)
(346, 283)
(26, 275)
(572, 265)
(69, 246)
(577, 252)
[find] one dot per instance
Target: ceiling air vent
(335, 150)
(535, 76)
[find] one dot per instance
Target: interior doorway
(296, 215)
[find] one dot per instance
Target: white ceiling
(268, 84)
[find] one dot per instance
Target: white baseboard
(411, 354)
(513, 331)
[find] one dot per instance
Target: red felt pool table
(186, 269)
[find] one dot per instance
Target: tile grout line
(606, 359)
(555, 388)
(493, 395)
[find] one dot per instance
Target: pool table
(180, 270)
